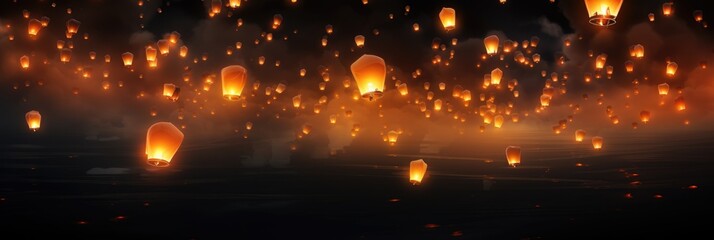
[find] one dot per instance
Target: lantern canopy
(234, 80)
(513, 155)
(369, 72)
(417, 170)
(603, 12)
(33, 119)
(163, 139)
(491, 43)
(448, 18)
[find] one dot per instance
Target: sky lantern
(359, 40)
(216, 6)
(663, 89)
(171, 91)
(651, 17)
(645, 116)
(448, 18)
(600, 61)
(491, 44)
(127, 58)
(369, 72)
(306, 129)
(698, 15)
(496, 76)
(671, 69)
(163, 45)
(597, 143)
(545, 100)
(72, 27)
(392, 137)
(163, 139)
(536, 58)
(417, 170)
(234, 80)
(151, 54)
(603, 12)
(297, 100)
(498, 121)
(579, 135)
(33, 27)
(234, 3)
(679, 104)
(183, 51)
(629, 66)
(25, 62)
(65, 55)
(33, 119)
(639, 51)
(403, 89)
(667, 8)
(437, 105)
(277, 20)
(513, 155)
(280, 88)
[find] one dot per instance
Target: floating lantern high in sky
(671, 69)
(491, 43)
(25, 62)
(392, 137)
(417, 170)
(72, 27)
(359, 40)
(33, 27)
(597, 143)
(579, 135)
(171, 91)
(663, 89)
(233, 79)
(127, 58)
(603, 12)
(33, 119)
(369, 72)
(513, 155)
(163, 139)
(448, 18)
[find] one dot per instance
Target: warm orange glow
(545, 100)
(33, 119)
(672, 68)
(403, 89)
(498, 121)
(233, 81)
(597, 143)
(297, 100)
(600, 61)
(679, 104)
(603, 12)
(163, 46)
(369, 72)
(639, 51)
(417, 170)
(33, 27)
(234, 3)
(163, 140)
(151, 54)
(491, 43)
(667, 8)
(579, 135)
(171, 91)
(359, 40)
(127, 58)
(663, 89)
(645, 116)
(496, 76)
(513, 155)
(392, 137)
(25, 62)
(72, 27)
(448, 18)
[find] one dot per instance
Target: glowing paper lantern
(127, 58)
(597, 143)
(359, 40)
(297, 100)
(163, 46)
(25, 62)
(392, 137)
(216, 6)
(33, 119)
(33, 27)
(671, 69)
(171, 91)
(579, 135)
(629, 66)
(151, 54)
(163, 139)
(65, 55)
(417, 170)
(448, 18)
(645, 116)
(600, 61)
(403, 89)
(234, 3)
(667, 8)
(498, 121)
(496, 76)
(545, 100)
(491, 43)
(72, 27)
(277, 20)
(234, 79)
(698, 15)
(183, 51)
(369, 72)
(680, 104)
(513, 155)
(639, 51)
(663, 89)
(603, 12)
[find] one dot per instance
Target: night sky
(319, 160)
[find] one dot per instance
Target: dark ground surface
(47, 192)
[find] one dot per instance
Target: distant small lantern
(33, 119)
(491, 43)
(513, 155)
(417, 170)
(233, 79)
(597, 143)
